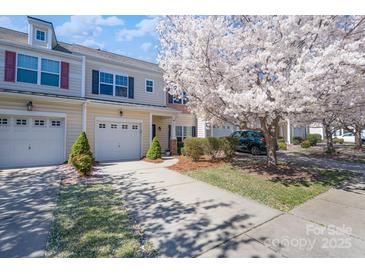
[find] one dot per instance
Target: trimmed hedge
(228, 146)
(338, 140)
(297, 140)
(314, 139)
(194, 147)
(80, 156)
(212, 146)
(282, 146)
(305, 144)
(154, 152)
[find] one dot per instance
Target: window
(149, 85)
(135, 127)
(124, 126)
(50, 75)
(21, 122)
(101, 125)
(40, 35)
(106, 83)
(55, 123)
(3, 121)
(114, 126)
(39, 123)
(121, 85)
(27, 69)
(180, 100)
(183, 132)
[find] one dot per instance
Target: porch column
(288, 141)
(173, 141)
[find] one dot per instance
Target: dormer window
(149, 85)
(40, 35)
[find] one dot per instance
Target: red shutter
(65, 69)
(10, 60)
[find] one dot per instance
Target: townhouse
(51, 91)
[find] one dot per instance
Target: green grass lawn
(90, 221)
(282, 195)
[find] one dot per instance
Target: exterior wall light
(30, 106)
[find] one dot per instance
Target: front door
(153, 131)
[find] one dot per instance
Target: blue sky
(133, 36)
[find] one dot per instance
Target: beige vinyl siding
(185, 120)
(163, 134)
(156, 98)
(94, 111)
(73, 112)
(74, 76)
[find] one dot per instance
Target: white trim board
(32, 113)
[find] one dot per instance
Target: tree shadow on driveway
(27, 200)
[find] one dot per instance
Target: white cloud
(146, 46)
(7, 22)
(92, 43)
(144, 27)
(83, 27)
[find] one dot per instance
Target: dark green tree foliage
(80, 156)
(154, 152)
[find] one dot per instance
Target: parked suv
(250, 141)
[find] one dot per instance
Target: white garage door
(31, 141)
(116, 141)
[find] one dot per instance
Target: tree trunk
(358, 141)
(270, 138)
(329, 139)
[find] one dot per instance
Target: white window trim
(45, 35)
(114, 82)
(145, 85)
(38, 70)
(59, 71)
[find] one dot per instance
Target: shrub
(338, 140)
(314, 139)
(194, 147)
(154, 152)
(80, 156)
(212, 146)
(182, 151)
(305, 144)
(297, 140)
(281, 140)
(282, 146)
(83, 163)
(228, 146)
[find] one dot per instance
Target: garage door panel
(31, 141)
(116, 141)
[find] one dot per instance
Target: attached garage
(31, 140)
(117, 139)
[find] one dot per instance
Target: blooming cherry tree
(241, 69)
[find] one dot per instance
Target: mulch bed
(71, 176)
(187, 164)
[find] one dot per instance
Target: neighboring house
(206, 129)
(51, 91)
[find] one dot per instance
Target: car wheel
(255, 150)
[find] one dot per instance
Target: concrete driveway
(27, 199)
(184, 217)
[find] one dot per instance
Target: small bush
(182, 151)
(80, 156)
(305, 144)
(338, 141)
(154, 152)
(83, 163)
(297, 140)
(194, 147)
(281, 140)
(228, 146)
(212, 146)
(314, 139)
(282, 146)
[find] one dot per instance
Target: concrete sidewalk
(184, 217)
